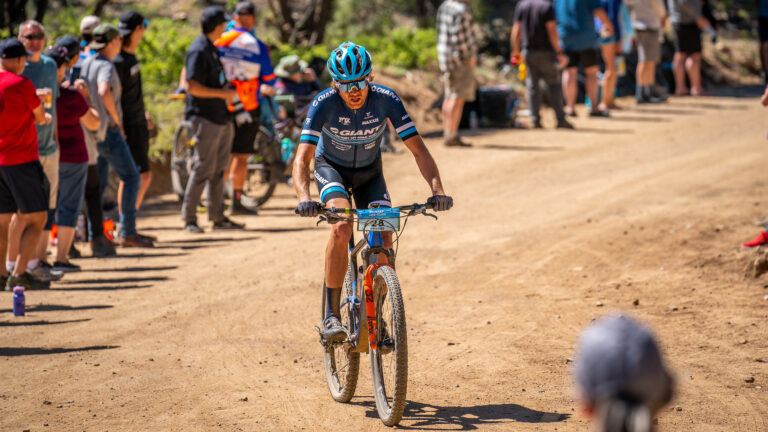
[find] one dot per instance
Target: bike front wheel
(389, 363)
(182, 157)
(342, 364)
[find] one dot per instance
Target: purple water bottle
(18, 301)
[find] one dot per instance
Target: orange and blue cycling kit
(247, 65)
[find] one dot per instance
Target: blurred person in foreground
(620, 376)
(610, 47)
(23, 184)
(457, 57)
(648, 19)
(535, 31)
(576, 26)
(208, 93)
(73, 113)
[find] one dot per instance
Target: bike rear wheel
(389, 363)
(182, 157)
(342, 364)
(264, 169)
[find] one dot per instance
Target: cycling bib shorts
(367, 183)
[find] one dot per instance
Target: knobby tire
(341, 363)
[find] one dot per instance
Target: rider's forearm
(301, 180)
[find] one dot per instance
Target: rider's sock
(332, 297)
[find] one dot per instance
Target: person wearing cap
(136, 120)
(100, 246)
(41, 70)
(71, 111)
(207, 96)
(105, 93)
(87, 25)
(620, 375)
(23, 185)
(248, 66)
(295, 77)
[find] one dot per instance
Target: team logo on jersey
(345, 121)
(368, 115)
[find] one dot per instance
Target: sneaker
(238, 208)
(135, 241)
(3, 281)
(760, 240)
(45, 272)
(333, 330)
(565, 124)
(101, 247)
(74, 253)
(28, 281)
(66, 267)
(456, 142)
(570, 113)
(226, 224)
(194, 228)
(148, 237)
(599, 113)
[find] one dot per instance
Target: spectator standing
(248, 66)
(71, 110)
(41, 70)
(105, 92)
(610, 47)
(576, 26)
(762, 28)
(23, 185)
(136, 120)
(688, 20)
(536, 32)
(620, 375)
(207, 97)
(295, 77)
(457, 56)
(648, 19)
(87, 25)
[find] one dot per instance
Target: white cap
(89, 23)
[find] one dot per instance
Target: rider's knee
(342, 232)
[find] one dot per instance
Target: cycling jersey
(246, 63)
(351, 138)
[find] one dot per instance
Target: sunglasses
(37, 36)
(347, 87)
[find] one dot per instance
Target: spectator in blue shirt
(576, 26)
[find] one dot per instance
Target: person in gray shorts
(648, 18)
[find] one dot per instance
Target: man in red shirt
(23, 185)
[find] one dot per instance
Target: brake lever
(424, 212)
(320, 220)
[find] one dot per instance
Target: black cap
(103, 35)
(129, 21)
(212, 16)
(11, 48)
(59, 54)
(245, 8)
(72, 44)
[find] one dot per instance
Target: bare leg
(609, 78)
(238, 170)
(337, 248)
(570, 89)
(591, 85)
(146, 180)
(678, 66)
(32, 224)
(693, 67)
(42, 246)
(5, 224)
(120, 196)
(15, 230)
(65, 237)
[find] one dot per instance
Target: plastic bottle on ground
(19, 307)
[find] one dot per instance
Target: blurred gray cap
(619, 358)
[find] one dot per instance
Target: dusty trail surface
(215, 332)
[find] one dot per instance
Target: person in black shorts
(688, 20)
(136, 121)
(24, 188)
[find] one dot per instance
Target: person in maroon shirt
(71, 111)
(23, 185)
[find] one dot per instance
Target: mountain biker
(343, 132)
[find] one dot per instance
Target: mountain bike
(372, 311)
(267, 166)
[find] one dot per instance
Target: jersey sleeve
(267, 70)
(399, 117)
(316, 118)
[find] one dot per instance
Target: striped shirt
(456, 43)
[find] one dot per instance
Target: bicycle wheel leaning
(264, 169)
(182, 157)
(389, 363)
(341, 363)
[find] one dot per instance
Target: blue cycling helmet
(349, 62)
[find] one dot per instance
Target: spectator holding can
(72, 111)
(620, 375)
(23, 185)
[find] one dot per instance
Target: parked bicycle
(372, 311)
(267, 167)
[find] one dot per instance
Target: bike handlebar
(336, 211)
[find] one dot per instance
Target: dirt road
(215, 332)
